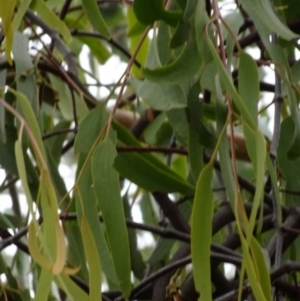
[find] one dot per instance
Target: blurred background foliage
(149, 150)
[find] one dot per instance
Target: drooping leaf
(249, 83)
(49, 17)
(93, 13)
(6, 14)
(201, 232)
(146, 170)
(86, 204)
(106, 183)
(89, 129)
(264, 16)
(93, 261)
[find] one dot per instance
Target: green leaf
(146, 170)
(150, 174)
(172, 74)
(51, 19)
(249, 83)
(86, 204)
(288, 168)
(73, 291)
(263, 271)
(224, 149)
(179, 122)
(149, 11)
(160, 97)
(90, 128)
(180, 35)
(259, 157)
(227, 81)
(93, 13)
(6, 14)
(252, 268)
(137, 264)
(65, 102)
(196, 119)
(134, 33)
(93, 260)
(264, 16)
(44, 285)
(20, 14)
(106, 185)
(201, 232)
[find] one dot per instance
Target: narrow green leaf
(52, 20)
(31, 120)
(263, 271)
(263, 14)
(201, 233)
(44, 286)
(196, 119)
(146, 170)
(288, 168)
(93, 13)
(249, 83)
(135, 31)
(224, 150)
(259, 161)
(3, 74)
(227, 81)
(90, 128)
(20, 14)
(93, 261)
(137, 264)
(86, 204)
(151, 175)
(106, 183)
(251, 269)
(6, 14)
(73, 291)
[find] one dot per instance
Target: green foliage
(113, 182)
